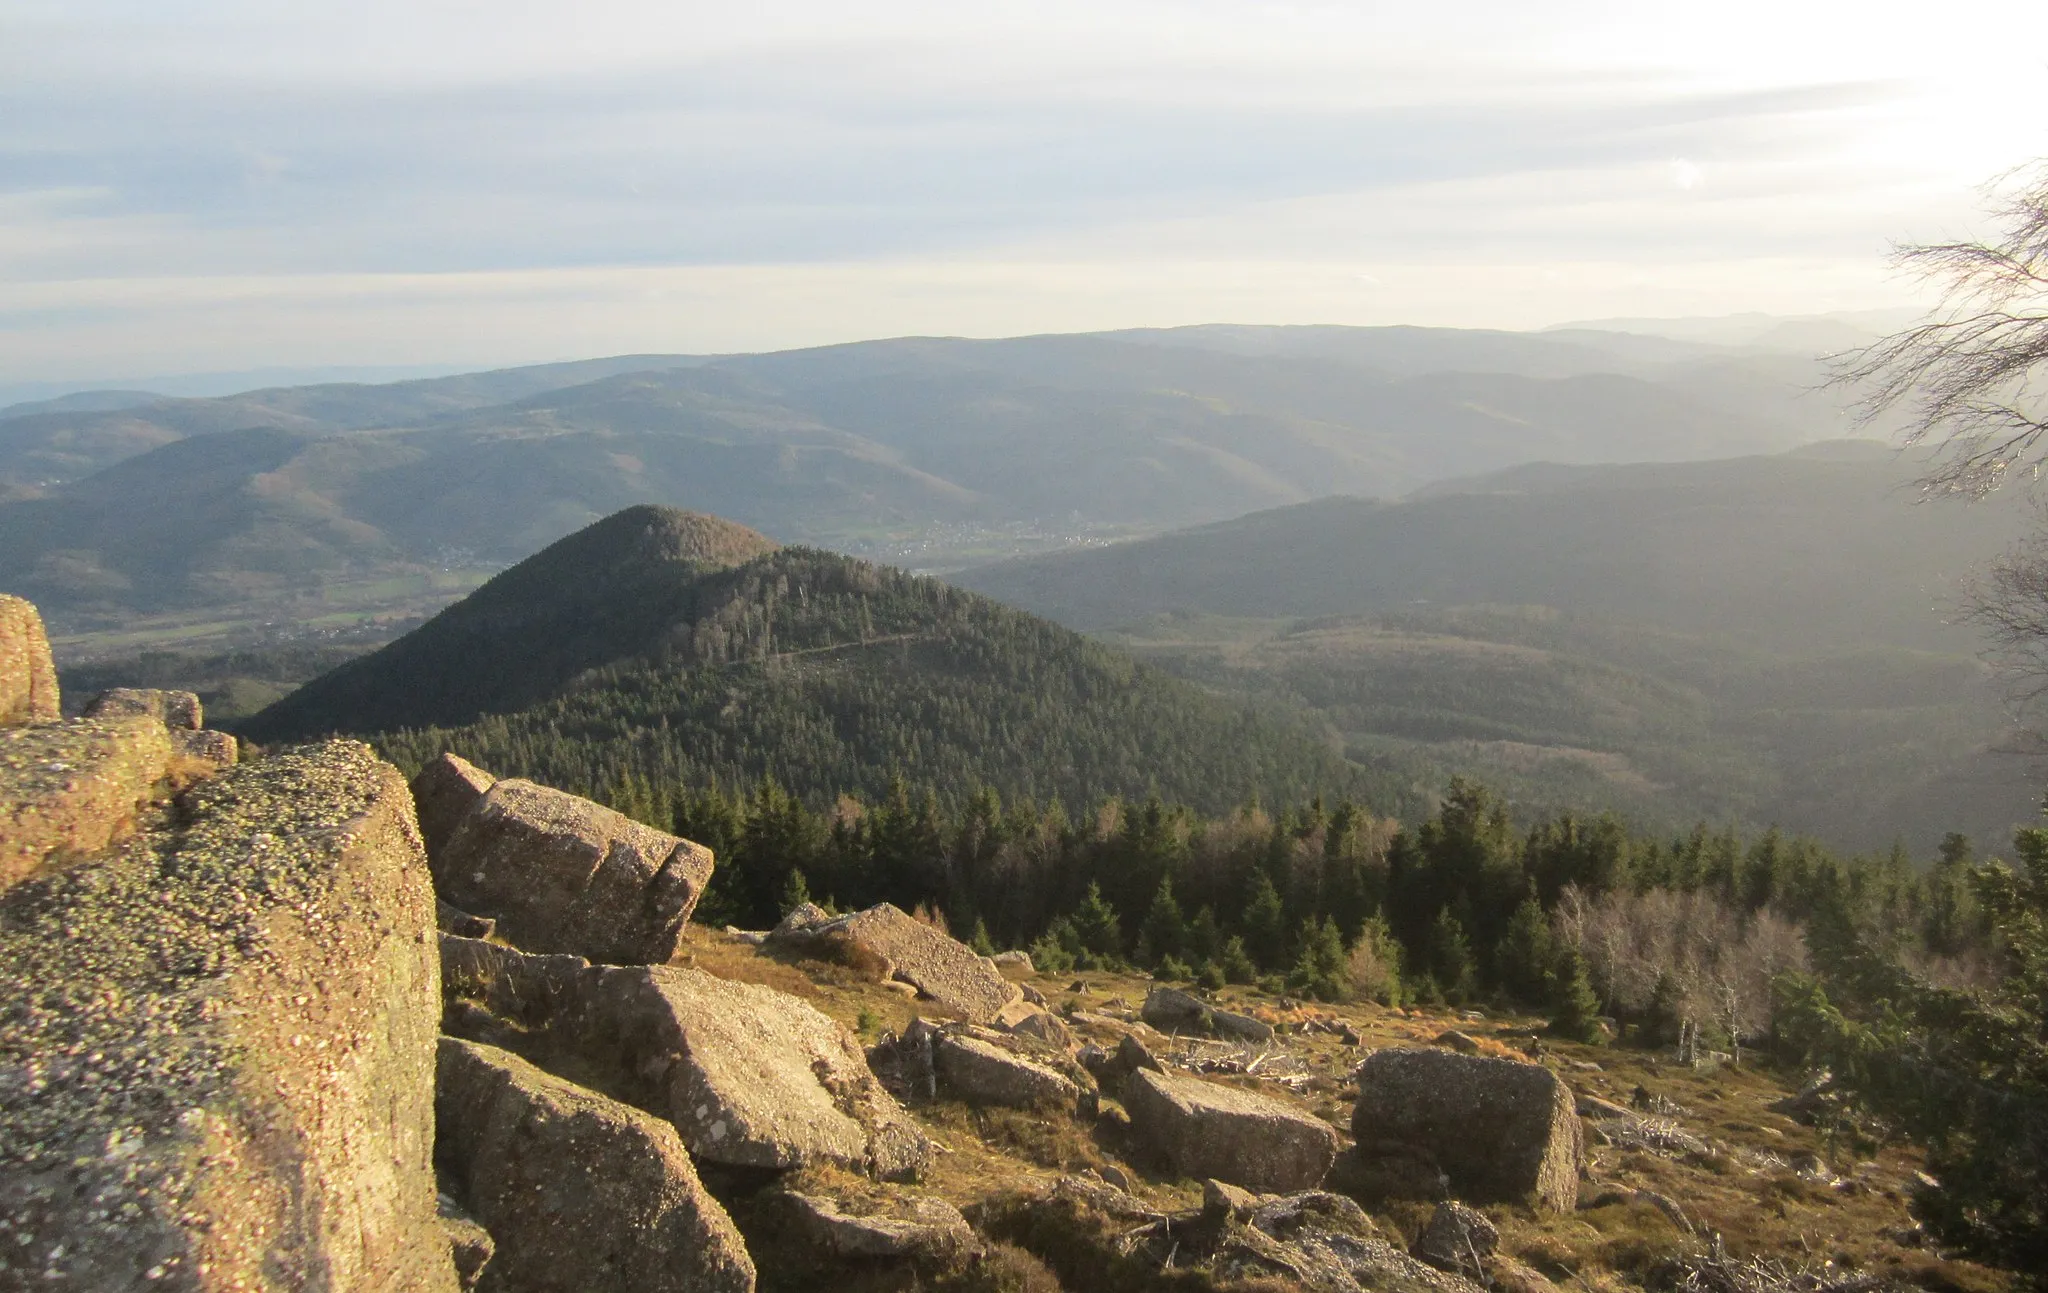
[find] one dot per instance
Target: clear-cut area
(217, 1044)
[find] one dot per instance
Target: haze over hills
(1759, 639)
(673, 649)
(934, 451)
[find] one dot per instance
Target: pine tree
(1319, 968)
(1450, 959)
(1205, 939)
(982, 944)
(1096, 926)
(1236, 963)
(796, 891)
(1575, 1007)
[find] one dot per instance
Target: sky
(235, 184)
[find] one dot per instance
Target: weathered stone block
(1208, 1130)
(217, 1045)
(1500, 1129)
(69, 789)
(443, 794)
(174, 709)
(941, 968)
(28, 677)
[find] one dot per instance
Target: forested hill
(611, 659)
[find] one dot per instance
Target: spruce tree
(1524, 957)
(1236, 963)
(1450, 959)
(982, 944)
(1163, 934)
(1265, 923)
(1575, 1007)
(1096, 927)
(796, 891)
(1205, 939)
(1319, 968)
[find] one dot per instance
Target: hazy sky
(213, 184)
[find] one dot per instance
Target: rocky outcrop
(1172, 1011)
(217, 1044)
(28, 677)
(580, 1193)
(1208, 1130)
(68, 790)
(443, 794)
(174, 709)
(1326, 1243)
(982, 1073)
(1499, 1129)
(749, 1076)
(944, 970)
(562, 874)
(894, 1225)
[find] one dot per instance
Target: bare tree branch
(1971, 379)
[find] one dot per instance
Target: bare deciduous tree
(1969, 380)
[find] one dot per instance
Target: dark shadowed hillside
(1761, 640)
(678, 649)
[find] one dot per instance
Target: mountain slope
(675, 649)
(1759, 641)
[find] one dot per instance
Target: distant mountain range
(1762, 640)
(663, 648)
(937, 452)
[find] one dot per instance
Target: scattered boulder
(1223, 1202)
(219, 1044)
(68, 790)
(28, 676)
(1499, 1128)
(1172, 1011)
(1457, 1239)
(469, 1243)
(749, 1076)
(218, 748)
(179, 710)
(1041, 1025)
(1463, 1043)
(981, 1073)
(1014, 962)
(1592, 1106)
(582, 1194)
(562, 874)
(443, 793)
(895, 1225)
(1207, 1130)
(942, 969)
(1325, 1242)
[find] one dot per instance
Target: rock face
(1207, 1130)
(1172, 1011)
(28, 677)
(749, 1076)
(981, 1073)
(69, 789)
(174, 709)
(941, 968)
(1501, 1130)
(257, 993)
(580, 1193)
(443, 794)
(562, 874)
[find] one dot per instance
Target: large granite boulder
(943, 969)
(217, 1045)
(1500, 1129)
(28, 676)
(1208, 1130)
(70, 789)
(749, 1076)
(1172, 1011)
(443, 793)
(562, 874)
(980, 1072)
(174, 709)
(893, 1225)
(580, 1194)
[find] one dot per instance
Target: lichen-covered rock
(894, 1225)
(562, 874)
(581, 1194)
(217, 748)
(217, 1045)
(174, 709)
(1172, 1011)
(1500, 1129)
(69, 789)
(443, 794)
(749, 1076)
(468, 1242)
(941, 968)
(982, 1073)
(28, 677)
(1208, 1130)
(1325, 1243)
(1457, 1239)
